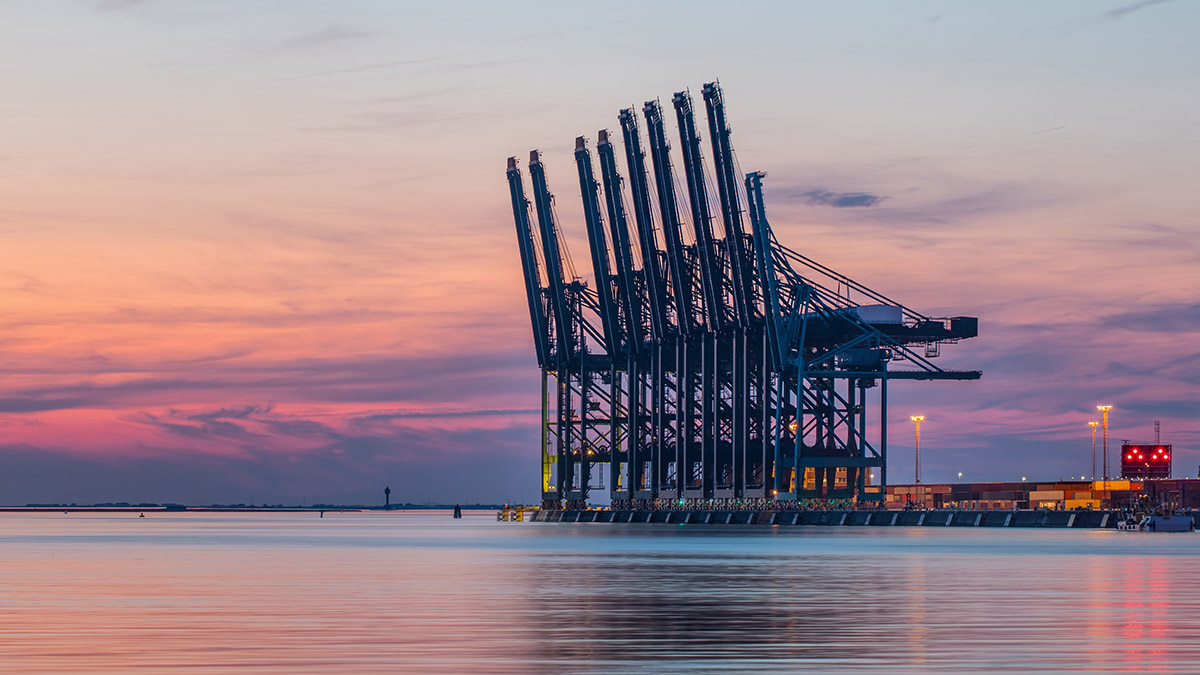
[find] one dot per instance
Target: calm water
(422, 593)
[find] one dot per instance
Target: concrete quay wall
(876, 518)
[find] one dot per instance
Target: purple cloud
(842, 200)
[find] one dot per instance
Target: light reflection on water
(419, 592)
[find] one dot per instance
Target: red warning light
(1145, 461)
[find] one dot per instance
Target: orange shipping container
(1045, 495)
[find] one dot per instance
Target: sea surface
(419, 592)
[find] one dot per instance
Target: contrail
(1013, 138)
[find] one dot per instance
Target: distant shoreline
(181, 508)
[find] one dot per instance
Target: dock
(1077, 519)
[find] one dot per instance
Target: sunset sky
(262, 250)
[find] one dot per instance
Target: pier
(1080, 519)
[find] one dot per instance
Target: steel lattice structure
(704, 366)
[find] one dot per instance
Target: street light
(918, 419)
(1104, 409)
(1093, 425)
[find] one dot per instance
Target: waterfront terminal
(1111, 504)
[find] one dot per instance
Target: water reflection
(868, 601)
(423, 593)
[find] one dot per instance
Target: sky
(262, 251)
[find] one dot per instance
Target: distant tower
(387, 497)
(1156, 441)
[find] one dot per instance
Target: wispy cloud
(842, 200)
(208, 427)
(282, 452)
(431, 414)
(334, 34)
(1122, 12)
(370, 67)
(24, 404)
(956, 209)
(239, 412)
(1181, 318)
(346, 380)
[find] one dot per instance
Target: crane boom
(630, 297)
(766, 266)
(529, 264)
(552, 252)
(655, 277)
(588, 187)
(711, 275)
(741, 261)
(681, 279)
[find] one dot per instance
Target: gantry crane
(704, 366)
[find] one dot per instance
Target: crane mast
(642, 377)
(578, 416)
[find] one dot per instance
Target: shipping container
(1002, 494)
(1045, 495)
